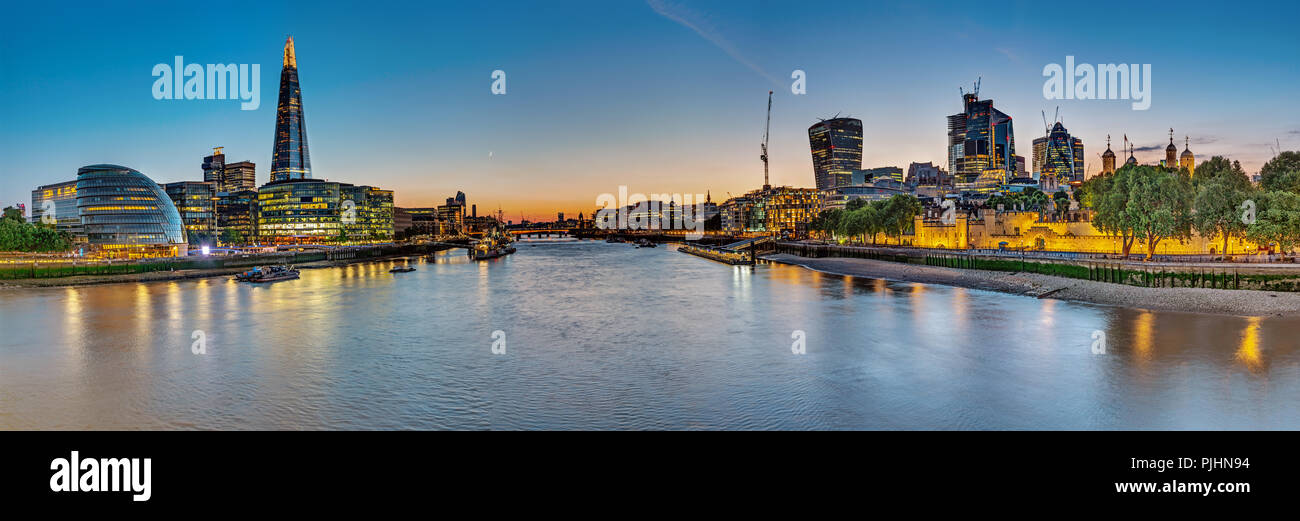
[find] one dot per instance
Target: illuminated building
(240, 176)
(237, 211)
(298, 211)
(775, 210)
(1187, 159)
(63, 197)
(126, 215)
(1058, 158)
(839, 197)
(369, 216)
(980, 140)
(195, 202)
(927, 174)
(291, 160)
(229, 177)
(871, 175)
(836, 151)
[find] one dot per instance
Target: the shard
(291, 160)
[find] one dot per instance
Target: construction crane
(766, 129)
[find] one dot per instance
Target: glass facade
(237, 211)
(300, 211)
(1058, 158)
(63, 207)
(196, 203)
(836, 151)
(126, 215)
(980, 140)
(290, 160)
(371, 216)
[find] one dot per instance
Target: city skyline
(423, 122)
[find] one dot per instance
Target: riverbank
(1196, 300)
(185, 274)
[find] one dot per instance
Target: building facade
(367, 213)
(236, 211)
(1058, 158)
(125, 214)
(59, 202)
(981, 143)
(300, 211)
(836, 151)
(291, 160)
(196, 203)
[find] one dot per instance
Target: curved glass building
(124, 214)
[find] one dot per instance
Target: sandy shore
(1196, 300)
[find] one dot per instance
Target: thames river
(589, 335)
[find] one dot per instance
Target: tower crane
(766, 129)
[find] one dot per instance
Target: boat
(645, 243)
(613, 239)
(268, 274)
(491, 247)
(402, 269)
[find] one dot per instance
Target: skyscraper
(239, 176)
(1058, 157)
(229, 177)
(291, 160)
(836, 151)
(214, 167)
(980, 140)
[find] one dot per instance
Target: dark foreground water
(609, 336)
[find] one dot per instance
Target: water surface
(609, 336)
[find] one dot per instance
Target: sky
(660, 96)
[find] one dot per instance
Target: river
(589, 335)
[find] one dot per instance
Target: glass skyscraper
(981, 142)
(291, 160)
(1058, 158)
(836, 151)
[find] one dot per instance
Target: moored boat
(268, 274)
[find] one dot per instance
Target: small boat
(402, 269)
(613, 239)
(270, 274)
(645, 243)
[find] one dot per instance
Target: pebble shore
(1193, 300)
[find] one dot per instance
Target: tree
(1159, 206)
(1109, 194)
(1281, 173)
(232, 237)
(13, 214)
(1218, 208)
(1277, 220)
(828, 221)
(899, 214)
(854, 223)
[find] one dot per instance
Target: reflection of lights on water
(1248, 353)
(1047, 313)
(1143, 335)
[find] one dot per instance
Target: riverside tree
(1218, 203)
(1277, 220)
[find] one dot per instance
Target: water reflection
(609, 336)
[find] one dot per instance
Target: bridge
(542, 232)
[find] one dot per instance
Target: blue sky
(661, 96)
